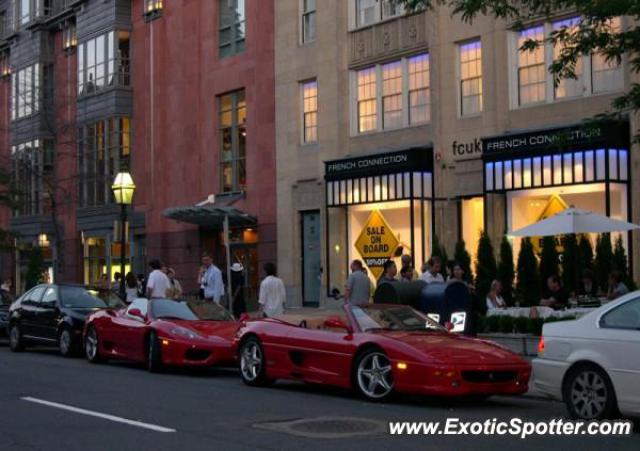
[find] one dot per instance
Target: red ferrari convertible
(378, 350)
(162, 332)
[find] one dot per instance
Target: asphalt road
(213, 410)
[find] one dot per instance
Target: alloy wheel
(15, 339)
(375, 377)
(589, 394)
(91, 344)
(65, 342)
(251, 361)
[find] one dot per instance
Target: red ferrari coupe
(162, 332)
(378, 350)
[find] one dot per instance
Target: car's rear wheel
(154, 354)
(91, 343)
(588, 393)
(16, 342)
(253, 367)
(374, 375)
(66, 343)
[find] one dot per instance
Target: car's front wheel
(374, 375)
(588, 393)
(91, 349)
(16, 342)
(154, 354)
(253, 367)
(66, 343)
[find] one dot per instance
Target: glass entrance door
(311, 266)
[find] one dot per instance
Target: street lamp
(123, 189)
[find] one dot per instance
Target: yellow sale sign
(377, 243)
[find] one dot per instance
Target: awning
(211, 213)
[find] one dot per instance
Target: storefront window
(472, 211)
(95, 260)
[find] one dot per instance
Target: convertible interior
(317, 320)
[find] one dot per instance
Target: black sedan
(53, 315)
(5, 301)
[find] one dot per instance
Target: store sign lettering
(467, 149)
(377, 243)
(366, 163)
(536, 140)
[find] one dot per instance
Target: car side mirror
(336, 323)
(136, 312)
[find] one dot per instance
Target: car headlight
(184, 332)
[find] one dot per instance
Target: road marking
(104, 416)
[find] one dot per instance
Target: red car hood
(450, 348)
(222, 329)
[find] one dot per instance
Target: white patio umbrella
(574, 220)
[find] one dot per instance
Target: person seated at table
(457, 275)
(587, 285)
(556, 296)
(494, 297)
(617, 287)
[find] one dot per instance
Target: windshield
(189, 311)
(109, 297)
(79, 297)
(386, 317)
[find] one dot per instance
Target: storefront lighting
(123, 188)
(153, 6)
(43, 240)
(337, 248)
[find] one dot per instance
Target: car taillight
(541, 345)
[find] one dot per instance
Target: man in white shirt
(272, 298)
(212, 281)
(157, 283)
(433, 272)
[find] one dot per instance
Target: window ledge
(103, 91)
(391, 130)
(569, 99)
(153, 15)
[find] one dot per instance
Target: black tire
(92, 346)
(66, 343)
(373, 375)
(253, 364)
(154, 354)
(16, 342)
(588, 393)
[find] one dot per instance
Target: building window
(232, 27)
(5, 64)
(308, 20)
(103, 62)
(594, 74)
(531, 68)
(392, 95)
(310, 111)
(369, 12)
(232, 109)
(25, 91)
(403, 96)
(470, 57)
(104, 149)
(152, 6)
(26, 11)
(32, 173)
(69, 36)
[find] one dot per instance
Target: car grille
(489, 377)
(197, 354)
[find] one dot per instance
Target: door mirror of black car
(337, 323)
(50, 304)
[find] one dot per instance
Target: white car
(593, 363)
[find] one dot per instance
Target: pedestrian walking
(157, 283)
(212, 283)
(175, 288)
(239, 305)
(358, 288)
(390, 272)
(272, 298)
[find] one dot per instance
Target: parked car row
(377, 350)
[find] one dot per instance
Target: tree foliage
(486, 266)
(549, 260)
(528, 281)
(571, 263)
(603, 264)
(464, 259)
(506, 270)
(591, 34)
